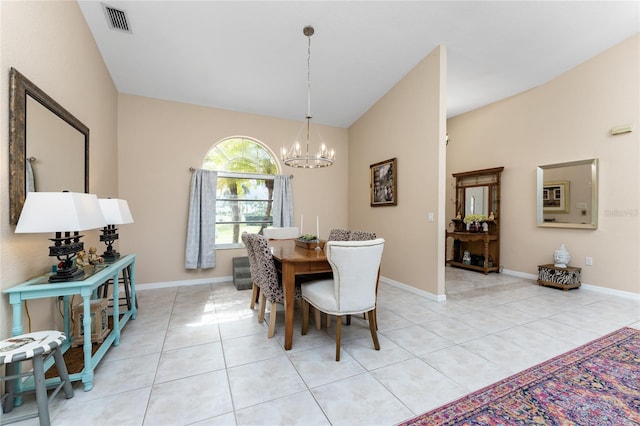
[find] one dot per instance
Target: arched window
(244, 197)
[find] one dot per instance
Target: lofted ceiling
(251, 56)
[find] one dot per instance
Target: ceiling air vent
(117, 19)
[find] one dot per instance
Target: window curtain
(201, 228)
(31, 182)
(282, 201)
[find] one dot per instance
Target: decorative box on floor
(554, 276)
(99, 321)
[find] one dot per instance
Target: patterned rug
(595, 384)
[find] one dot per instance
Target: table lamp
(61, 212)
(116, 212)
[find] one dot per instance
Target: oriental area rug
(594, 384)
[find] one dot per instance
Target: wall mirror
(477, 192)
(567, 195)
(48, 146)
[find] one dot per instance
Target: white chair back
(355, 267)
(284, 233)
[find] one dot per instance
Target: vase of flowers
(474, 222)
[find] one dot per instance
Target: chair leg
(262, 307)
(372, 327)
(317, 315)
(338, 335)
(272, 319)
(305, 316)
(41, 390)
(63, 373)
(9, 388)
(255, 293)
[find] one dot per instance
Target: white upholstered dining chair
(352, 290)
(284, 233)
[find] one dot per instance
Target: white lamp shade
(60, 212)
(115, 211)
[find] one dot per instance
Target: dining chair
(337, 234)
(356, 266)
(283, 233)
(345, 235)
(255, 289)
(269, 281)
(361, 235)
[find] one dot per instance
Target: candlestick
(318, 227)
(301, 222)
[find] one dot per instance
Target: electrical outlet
(588, 261)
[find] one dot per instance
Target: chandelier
(298, 155)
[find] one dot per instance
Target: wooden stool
(37, 347)
(125, 280)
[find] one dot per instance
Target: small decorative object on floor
(561, 257)
(556, 276)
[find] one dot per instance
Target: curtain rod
(191, 169)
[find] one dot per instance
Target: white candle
(301, 222)
(318, 227)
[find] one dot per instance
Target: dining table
(293, 259)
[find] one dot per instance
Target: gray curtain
(282, 201)
(30, 183)
(201, 229)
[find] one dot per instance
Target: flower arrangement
(475, 218)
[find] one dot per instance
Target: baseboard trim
(410, 289)
(428, 295)
(183, 283)
(585, 286)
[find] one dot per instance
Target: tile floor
(197, 356)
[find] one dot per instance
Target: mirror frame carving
(593, 162)
(19, 88)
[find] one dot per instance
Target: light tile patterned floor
(197, 355)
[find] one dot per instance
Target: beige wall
(566, 119)
(407, 123)
(50, 43)
(159, 141)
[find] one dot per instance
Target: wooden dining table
(293, 260)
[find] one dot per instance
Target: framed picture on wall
(384, 183)
(555, 197)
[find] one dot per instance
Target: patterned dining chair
(356, 266)
(255, 290)
(339, 234)
(269, 281)
(361, 235)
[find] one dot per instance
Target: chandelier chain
(294, 156)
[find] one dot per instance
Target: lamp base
(67, 274)
(110, 256)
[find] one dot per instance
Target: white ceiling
(251, 56)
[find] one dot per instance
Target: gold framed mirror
(48, 146)
(567, 195)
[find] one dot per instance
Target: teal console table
(40, 288)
